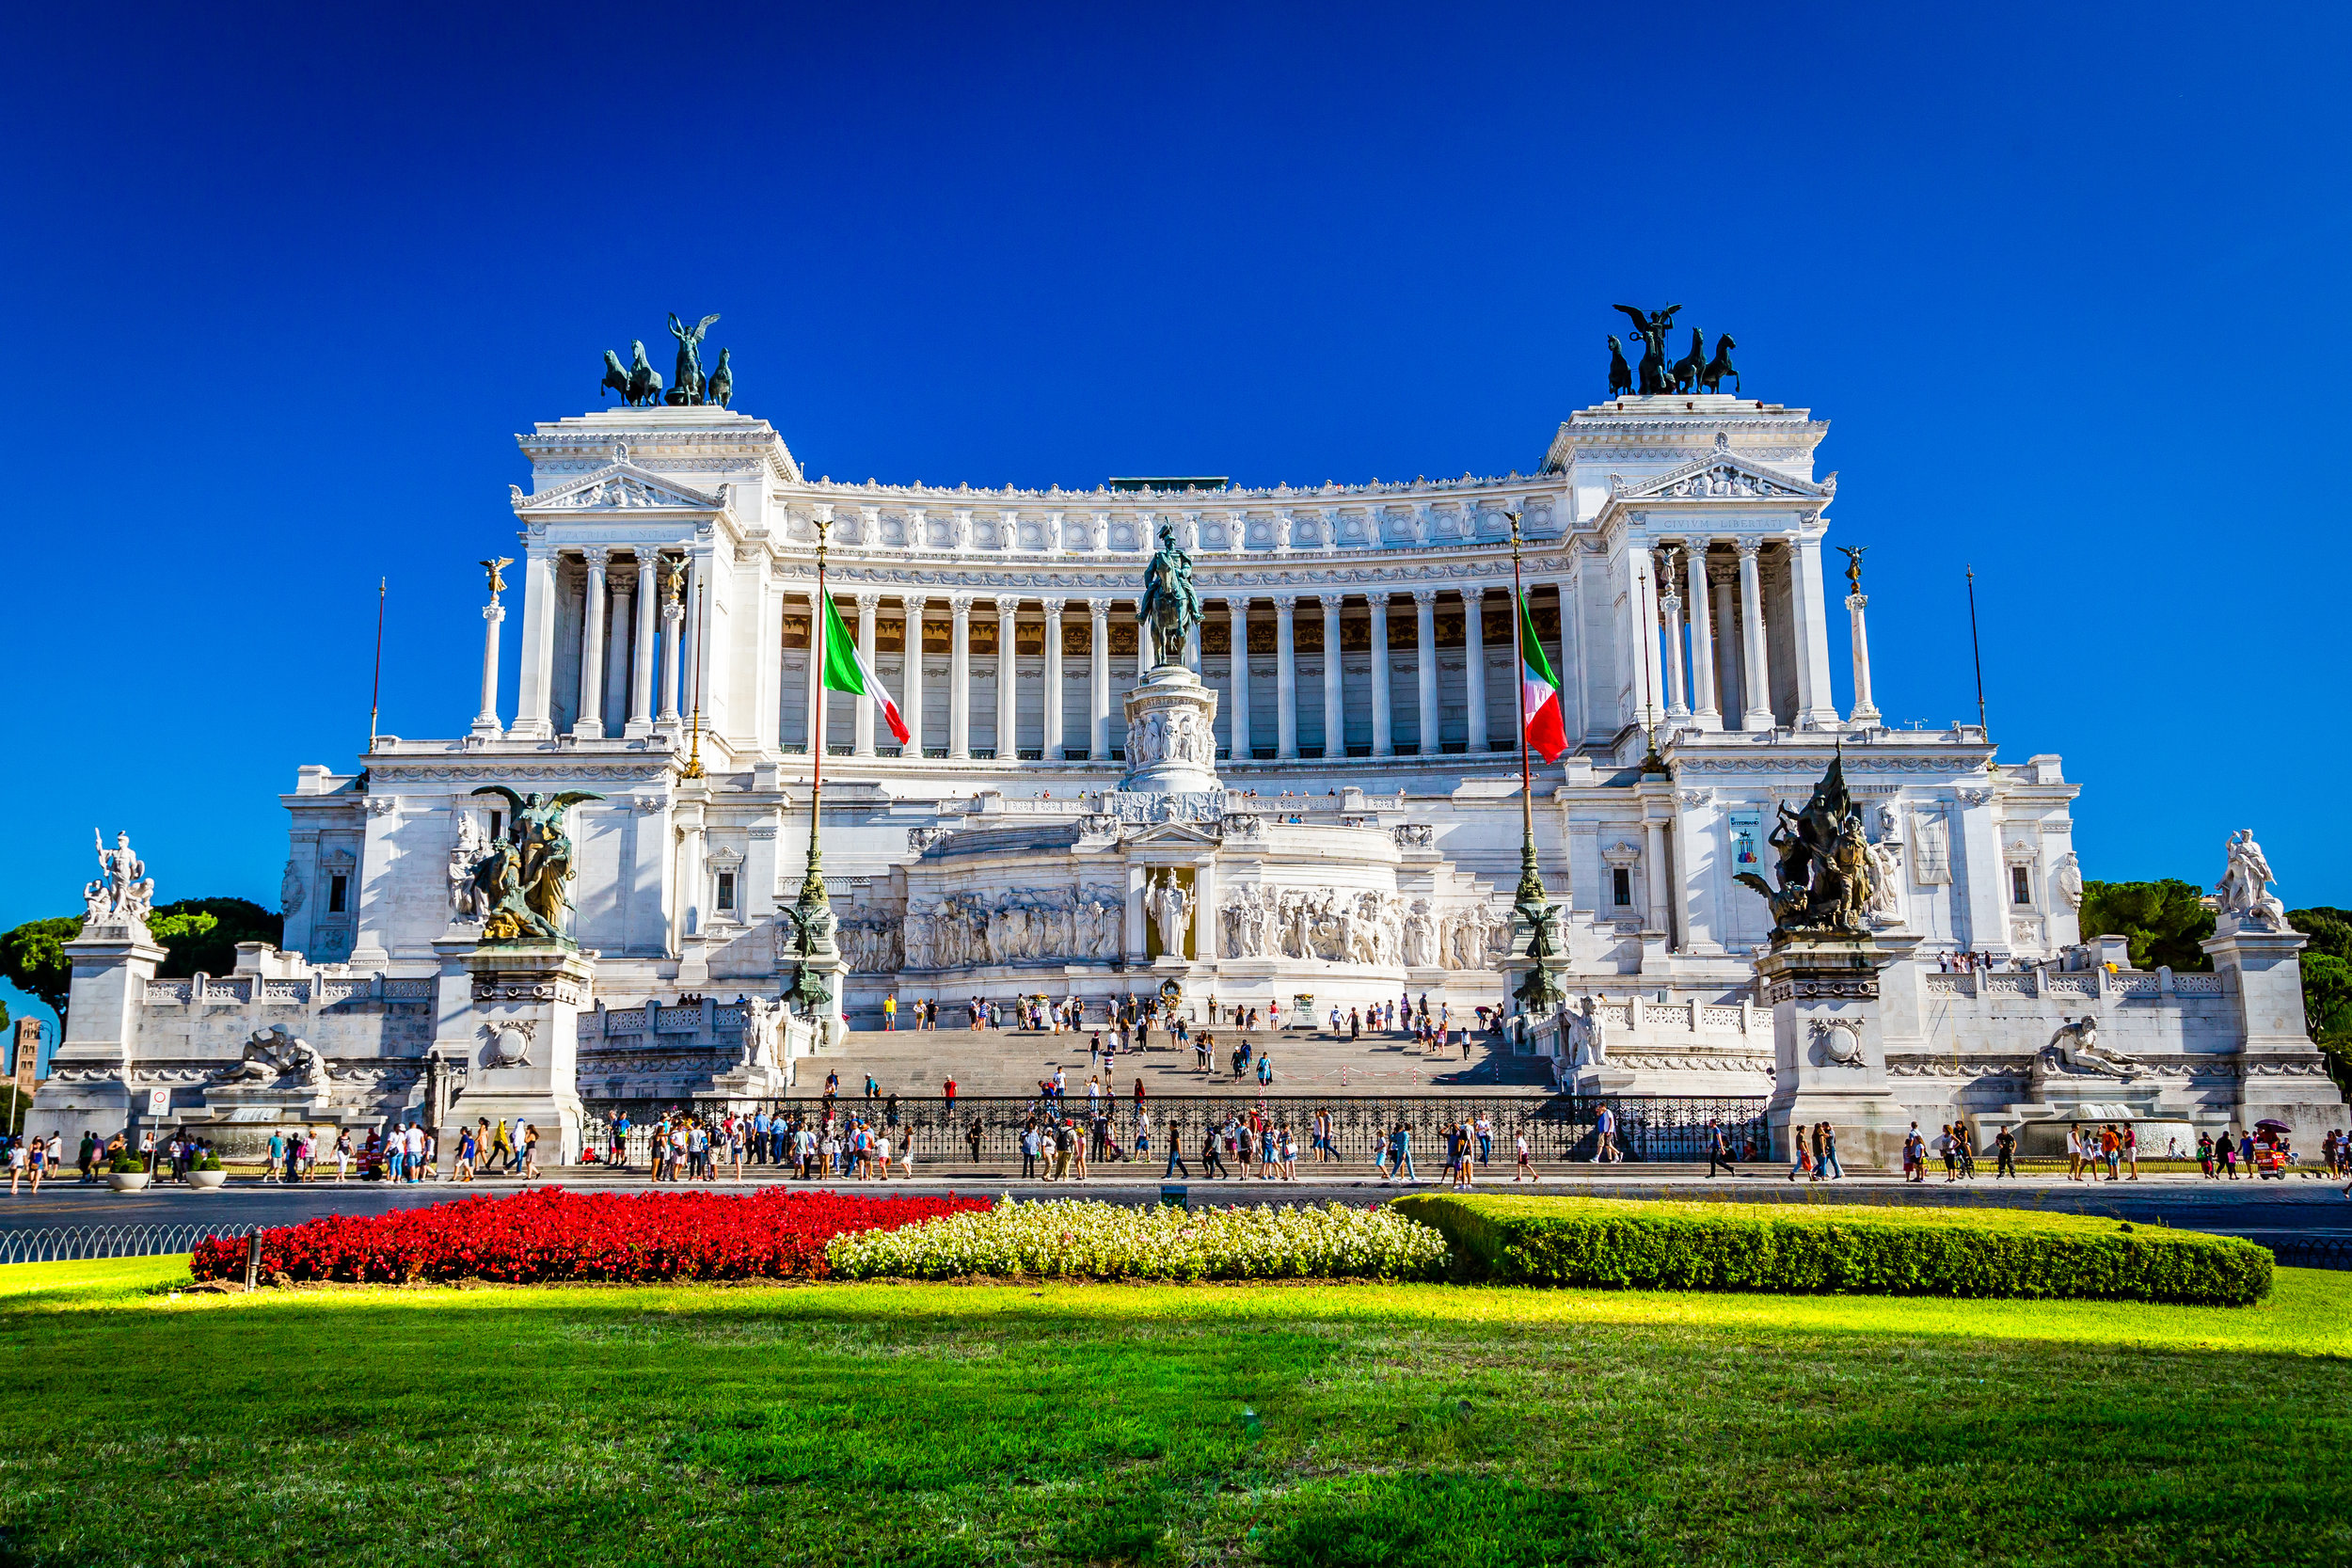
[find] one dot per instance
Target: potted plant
(127, 1174)
(206, 1173)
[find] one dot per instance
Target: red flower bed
(550, 1234)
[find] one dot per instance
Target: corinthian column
(1759, 710)
(1669, 604)
(868, 602)
(1285, 677)
(1052, 726)
(672, 676)
(911, 700)
(1099, 684)
(1703, 709)
(960, 676)
(486, 721)
(1334, 705)
(1721, 578)
(1425, 625)
(641, 656)
(589, 725)
(1007, 715)
(1237, 612)
(1474, 665)
(1383, 741)
(1865, 711)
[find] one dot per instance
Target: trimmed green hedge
(1627, 1243)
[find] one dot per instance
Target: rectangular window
(726, 892)
(1621, 886)
(2020, 885)
(337, 888)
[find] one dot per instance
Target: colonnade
(1239, 610)
(1715, 587)
(634, 581)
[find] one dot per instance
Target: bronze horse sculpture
(1689, 370)
(1712, 377)
(639, 383)
(1651, 328)
(1620, 375)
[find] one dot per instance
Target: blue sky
(282, 283)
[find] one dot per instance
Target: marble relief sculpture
(968, 929)
(468, 905)
(2075, 1047)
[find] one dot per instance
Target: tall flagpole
(375, 691)
(813, 883)
(1537, 994)
(1976, 650)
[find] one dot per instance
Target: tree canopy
(32, 955)
(2163, 920)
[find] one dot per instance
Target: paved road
(2263, 1210)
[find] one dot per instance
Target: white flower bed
(1108, 1240)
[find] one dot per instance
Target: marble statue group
(122, 893)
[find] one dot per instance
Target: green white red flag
(1547, 732)
(846, 669)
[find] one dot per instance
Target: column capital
(1285, 602)
(1425, 597)
(960, 605)
(1100, 609)
(1856, 601)
(1332, 602)
(1054, 606)
(598, 556)
(868, 600)
(1748, 545)
(914, 602)
(648, 556)
(1006, 608)
(1722, 574)
(1239, 600)
(497, 611)
(1473, 593)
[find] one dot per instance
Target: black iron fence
(75, 1242)
(2313, 1251)
(987, 1131)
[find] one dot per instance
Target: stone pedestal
(1829, 1045)
(1172, 734)
(518, 1033)
(88, 1088)
(2281, 1075)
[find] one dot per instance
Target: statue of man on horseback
(1171, 606)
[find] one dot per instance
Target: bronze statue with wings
(1853, 564)
(690, 356)
(525, 873)
(1651, 328)
(497, 567)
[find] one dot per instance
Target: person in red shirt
(948, 1088)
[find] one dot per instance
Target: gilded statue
(1826, 873)
(522, 877)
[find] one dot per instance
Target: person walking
(1527, 1167)
(1830, 1168)
(2004, 1154)
(1211, 1165)
(1718, 1151)
(1800, 1161)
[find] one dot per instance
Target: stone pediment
(616, 487)
(1722, 475)
(1172, 834)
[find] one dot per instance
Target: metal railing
(75, 1242)
(2313, 1251)
(987, 1130)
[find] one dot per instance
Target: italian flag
(846, 669)
(1547, 732)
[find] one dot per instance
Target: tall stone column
(673, 673)
(1334, 704)
(1670, 603)
(1099, 684)
(1285, 677)
(1865, 711)
(1720, 578)
(1007, 690)
(1759, 709)
(1425, 625)
(1237, 612)
(534, 699)
(867, 603)
(1051, 729)
(641, 655)
(1703, 713)
(910, 700)
(960, 676)
(1383, 741)
(1474, 666)
(486, 721)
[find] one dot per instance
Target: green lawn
(889, 1426)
